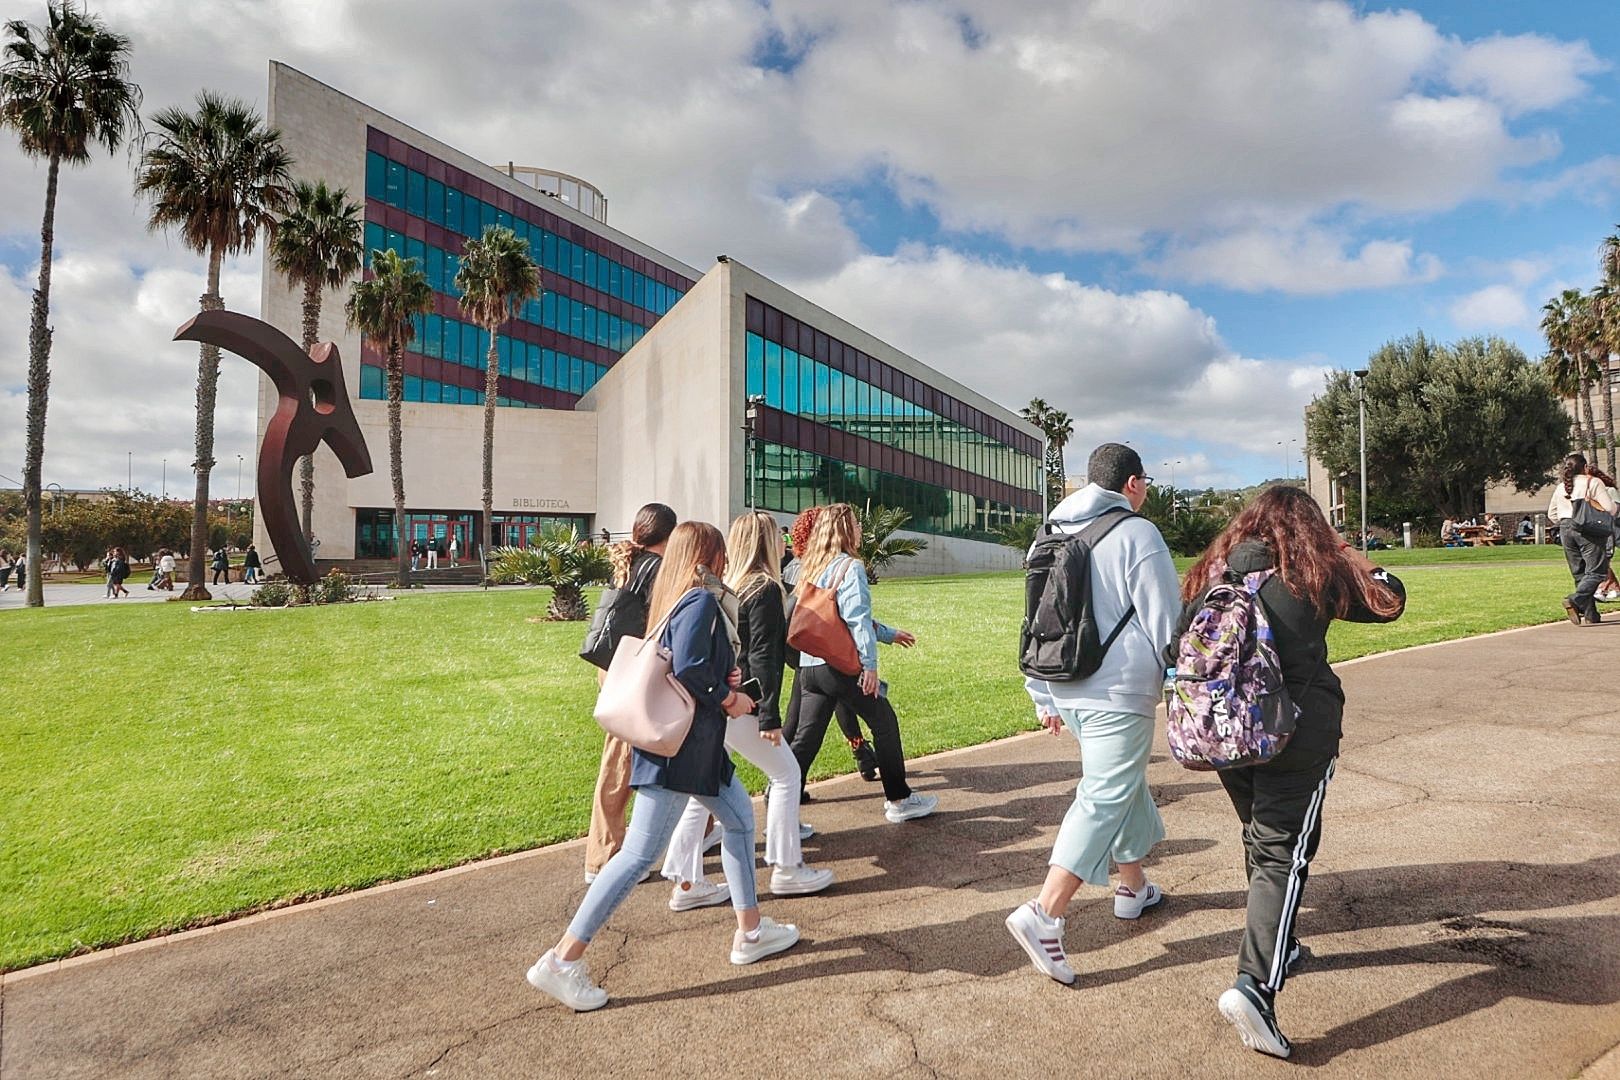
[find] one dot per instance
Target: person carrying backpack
(1102, 605)
(1306, 576)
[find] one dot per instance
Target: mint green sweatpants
(1113, 816)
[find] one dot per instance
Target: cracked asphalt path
(1464, 913)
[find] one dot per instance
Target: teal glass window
(773, 375)
(435, 202)
(433, 337)
(452, 209)
(413, 388)
(756, 366)
(415, 193)
(376, 176)
(449, 394)
(394, 193)
(469, 396)
(371, 382)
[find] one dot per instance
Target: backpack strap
(1106, 523)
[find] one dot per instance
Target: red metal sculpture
(314, 409)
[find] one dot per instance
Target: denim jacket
(855, 605)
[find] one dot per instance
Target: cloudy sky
(1168, 217)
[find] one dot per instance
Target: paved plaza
(1464, 913)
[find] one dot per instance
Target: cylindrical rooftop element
(582, 195)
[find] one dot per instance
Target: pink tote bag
(641, 701)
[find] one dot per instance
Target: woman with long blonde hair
(753, 560)
(705, 663)
(831, 562)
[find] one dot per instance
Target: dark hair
(1310, 555)
(1574, 465)
(654, 523)
(1112, 465)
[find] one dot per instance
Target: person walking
(1318, 578)
(635, 567)
(221, 565)
(415, 549)
(432, 552)
(1135, 600)
(799, 537)
(118, 572)
(1588, 557)
(106, 571)
(165, 571)
(251, 565)
(829, 561)
(20, 568)
(455, 548)
(7, 566)
(753, 548)
(703, 661)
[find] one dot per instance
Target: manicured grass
(164, 768)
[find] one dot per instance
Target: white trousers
(684, 862)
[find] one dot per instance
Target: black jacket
(1301, 636)
(762, 629)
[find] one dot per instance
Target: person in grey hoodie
(1111, 713)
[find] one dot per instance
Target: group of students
(428, 552)
(717, 603)
(1582, 488)
(13, 565)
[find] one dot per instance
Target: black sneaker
(865, 759)
(1298, 955)
(1247, 1009)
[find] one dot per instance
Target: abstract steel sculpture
(314, 409)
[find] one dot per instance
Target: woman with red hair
(865, 759)
(1318, 578)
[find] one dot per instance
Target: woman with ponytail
(635, 566)
(1588, 558)
(1318, 578)
(705, 663)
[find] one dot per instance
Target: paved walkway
(1464, 912)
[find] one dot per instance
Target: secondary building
(634, 378)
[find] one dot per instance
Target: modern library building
(634, 378)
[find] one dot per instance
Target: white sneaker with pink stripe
(1042, 939)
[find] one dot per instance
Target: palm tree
(1605, 304)
(1059, 430)
(879, 547)
(497, 277)
(64, 88)
(218, 176)
(383, 307)
(1565, 324)
(318, 246)
(560, 558)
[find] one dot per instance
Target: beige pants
(608, 805)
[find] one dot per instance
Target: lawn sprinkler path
(1464, 914)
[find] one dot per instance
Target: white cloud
(1145, 365)
(1308, 261)
(1495, 307)
(1524, 73)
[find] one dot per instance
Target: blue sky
(1166, 218)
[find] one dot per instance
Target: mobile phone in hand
(752, 688)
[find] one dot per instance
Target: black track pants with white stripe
(1280, 805)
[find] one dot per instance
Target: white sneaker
(571, 985)
(770, 938)
(590, 876)
(912, 806)
(1042, 939)
(687, 895)
(806, 831)
(1129, 905)
(800, 880)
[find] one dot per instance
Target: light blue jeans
(1113, 816)
(652, 823)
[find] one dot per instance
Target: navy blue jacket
(703, 659)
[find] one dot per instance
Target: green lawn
(163, 768)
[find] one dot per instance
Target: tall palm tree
(318, 246)
(1564, 323)
(382, 308)
(1605, 304)
(1038, 412)
(1059, 430)
(497, 277)
(219, 177)
(64, 88)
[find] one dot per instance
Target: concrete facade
(665, 423)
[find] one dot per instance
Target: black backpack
(619, 613)
(1059, 639)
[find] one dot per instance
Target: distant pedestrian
(432, 553)
(455, 548)
(166, 570)
(1315, 578)
(21, 569)
(416, 554)
(106, 570)
(7, 566)
(1586, 553)
(1134, 602)
(118, 572)
(251, 565)
(222, 565)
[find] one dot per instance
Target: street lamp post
(129, 471)
(751, 445)
(165, 484)
(238, 477)
(1361, 409)
(1171, 465)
